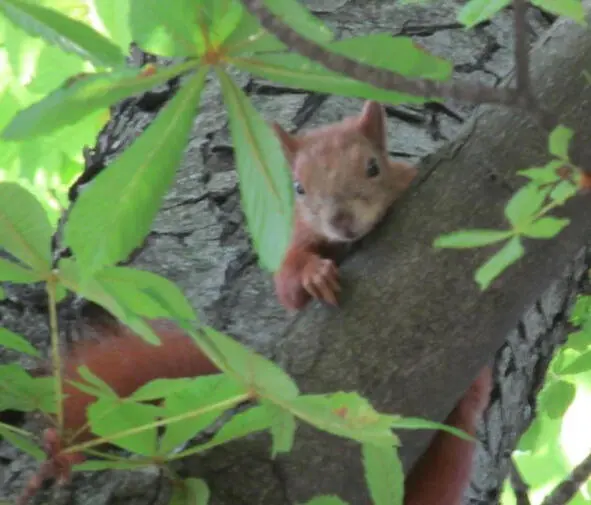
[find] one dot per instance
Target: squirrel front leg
(306, 272)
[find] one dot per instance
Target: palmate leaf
(11, 272)
(11, 340)
(168, 28)
(511, 252)
(570, 8)
(265, 180)
(112, 217)
(81, 95)
(295, 70)
(190, 491)
(63, 31)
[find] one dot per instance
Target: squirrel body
(126, 362)
(345, 183)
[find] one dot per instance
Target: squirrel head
(344, 181)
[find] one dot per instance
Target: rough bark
(413, 328)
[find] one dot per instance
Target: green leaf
(477, 11)
(265, 179)
(98, 465)
(300, 19)
(581, 312)
(146, 293)
(21, 442)
(11, 272)
(580, 365)
(168, 28)
(160, 388)
(529, 439)
(2, 293)
(249, 37)
(25, 231)
(543, 175)
(115, 17)
(579, 341)
(19, 391)
(283, 429)
(464, 239)
(79, 96)
(524, 204)
(201, 393)
(545, 227)
(190, 491)
(260, 374)
(563, 192)
(383, 473)
(222, 19)
(511, 252)
(15, 342)
(109, 416)
(416, 423)
(570, 8)
(67, 33)
(559, 140)
(347, 415)
(112, 217)
(326, 500)
(245, 423)
(101, 386)
(297, 71)
(98, 292)
(556, 397)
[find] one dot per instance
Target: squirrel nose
(342, 220)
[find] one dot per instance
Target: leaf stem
(55, 348)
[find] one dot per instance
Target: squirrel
(126, 362)
(344, 183)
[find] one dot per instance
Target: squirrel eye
(373, 168)
(299, 189)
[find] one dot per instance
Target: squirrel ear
(372, 123)
(289, 142)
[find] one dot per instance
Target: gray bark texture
(413, 329)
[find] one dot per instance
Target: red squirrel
(344, 183)
(126, 362)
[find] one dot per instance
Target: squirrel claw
(320, 280)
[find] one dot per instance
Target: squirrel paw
(320, 279)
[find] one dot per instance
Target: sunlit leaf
(110, 416)
(383, 473)
(524, 204)
(581, 365)
(559, 140)
(83, 94)
(20, 391)
(11, 272)
(112, 217)
(326, 500)
(570, 8)
(300, 19)
(21, 442)
(511, 252)
(556, 397)
(283, 429)
(11, 340)
(115, 17)
(190, 491)
(347, 415)
(294, 70)
(563, 192)
(201, 393)
(167, 28)
(25, 231)
(581, 312)
(543, 175)
(470, 238)
(265, 180)
(545, 227)
(63, 31)
(477, 11)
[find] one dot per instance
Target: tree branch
(569, 487)
(378, 77)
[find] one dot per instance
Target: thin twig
(378, 77)
(520, 487)
(521, 50)
(568, 488)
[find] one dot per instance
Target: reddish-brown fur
(337, 201)
(126, 362)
